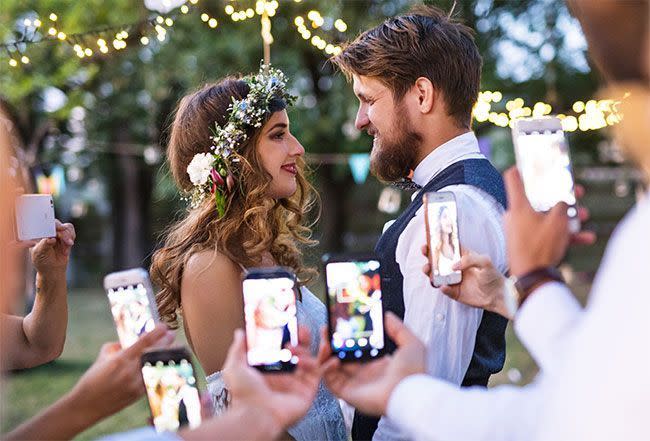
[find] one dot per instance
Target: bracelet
(529, 281)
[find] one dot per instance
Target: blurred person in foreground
(593, 381)
(38, 337)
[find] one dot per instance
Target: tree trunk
(132, 184)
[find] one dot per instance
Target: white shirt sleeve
(426, 408)
(601, 391)
(544, 322)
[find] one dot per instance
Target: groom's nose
(362, 119)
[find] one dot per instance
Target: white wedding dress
(324, 420)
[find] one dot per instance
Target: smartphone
(354, 306)
(170, 381)
(441, 224)
(132, 302)
(543, 160)
(270, 318)
(34, 217)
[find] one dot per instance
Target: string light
(592, 115)
(317, 21)
(53, 17)
(12, 62)
(24, 59)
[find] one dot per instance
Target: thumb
(515, 190)
(146, 340)
(397, 331)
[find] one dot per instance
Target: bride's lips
(290, 168)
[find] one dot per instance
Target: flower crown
(215, 172)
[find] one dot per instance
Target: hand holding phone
(132, 303)
(354, 304)
(170, 381)
(441, 225)
(543, 160)
(270, 318)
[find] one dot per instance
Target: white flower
(199, 168)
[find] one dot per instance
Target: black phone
(173, 395)
(270, 318)
(354, 306)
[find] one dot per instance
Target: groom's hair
(425, 42)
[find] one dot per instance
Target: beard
(395, 155)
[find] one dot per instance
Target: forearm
(45, 327)
(430, 409)
(61, 421)
(237, 424)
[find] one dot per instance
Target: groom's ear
(425, 94)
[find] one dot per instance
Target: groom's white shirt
(448, 328)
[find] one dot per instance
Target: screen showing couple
(443, 228)
(271, 323)
(543, 160)
(131, 312)
(356, 317)
(173, 396)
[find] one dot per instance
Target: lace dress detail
(324, 420)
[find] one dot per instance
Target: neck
(436, 135)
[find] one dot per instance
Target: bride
(232, 152)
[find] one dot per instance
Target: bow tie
(406, 184)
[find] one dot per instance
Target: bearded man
(417, 78)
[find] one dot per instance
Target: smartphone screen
(441, 218)
(172, 391)
(270, 317)
(131, 311)
(356, 317)
(545, 167)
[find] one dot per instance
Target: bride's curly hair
(253, 223)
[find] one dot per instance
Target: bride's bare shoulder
(210, 268)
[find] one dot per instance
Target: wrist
(519, 288)
(81, 413)
(269, 423)
(52, 276)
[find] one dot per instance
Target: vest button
(440, 317)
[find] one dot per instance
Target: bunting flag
(359, 166)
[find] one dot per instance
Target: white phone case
(35, 217)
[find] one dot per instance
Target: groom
(417, 78)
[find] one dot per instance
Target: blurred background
(88, 89)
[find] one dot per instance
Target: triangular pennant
(359, 166)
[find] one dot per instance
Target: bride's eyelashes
(278, 135)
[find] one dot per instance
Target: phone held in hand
(270, 318)
(354, 306)
(132, 302)
(170, 381)
(543, 161)
(34, 217)
(441, 224)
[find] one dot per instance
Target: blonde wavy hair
(253, 224)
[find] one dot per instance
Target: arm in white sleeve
(430, 409)
(545, 321)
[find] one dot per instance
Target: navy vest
(490, 347)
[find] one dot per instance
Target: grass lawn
(90, 325)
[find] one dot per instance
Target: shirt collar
(454, 150)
